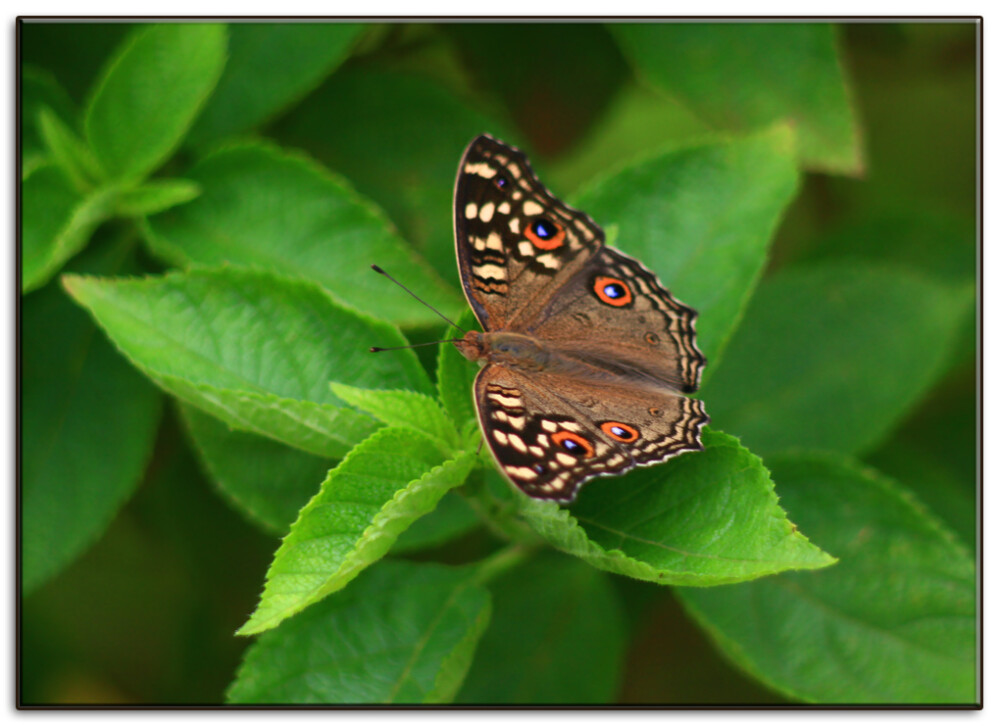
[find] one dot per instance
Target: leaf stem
(504, 559)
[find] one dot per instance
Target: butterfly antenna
(375, 349)
(437, 312)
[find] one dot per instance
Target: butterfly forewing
(624, 321)
(514, 241)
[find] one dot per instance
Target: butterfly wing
(516, 244)
(615, 316)
(549, 433)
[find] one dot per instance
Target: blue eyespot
(500, 181)
(571, 446)
(619, 432)
(614, 291)
(539, 469)
(544, 229)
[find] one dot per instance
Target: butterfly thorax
(511, 350)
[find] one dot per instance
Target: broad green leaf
(88, 421)
(267, 481)
(893, 622)
(937, 244)
(40, 90)
(704, 518)
(56, 222)
(269, 67)
(254, 349)
(638, 119)
(377, 491)
(47, 202)
(403, 633)
(68, 150)
(451, 518)
(931, 477)
(150, 93)
(155, 196)
(832, 356)
(403, 409)
(352, 124)
(557, 636)
(741, 76)
(701, 218)
(281, 211)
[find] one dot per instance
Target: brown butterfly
(585, 355)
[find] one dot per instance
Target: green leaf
(833, 356)
(741, 76)
(403, 633)
(638, 119)
(254, 349)
(702, 219)
(451, 518)
(57, 222)
(705, 518)
(280, 211)
(893, 622)
(557, 636)
(150, 93)
(270, 66)
(377, 491)
(88, 424)
(68, 150)
(155, 196)
(404, 409)
(930, 475)
(40, 90)
(266, 481)
(412, 175)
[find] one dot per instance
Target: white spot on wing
(549, 261)
(494, 271)
(505, 400)
(471, 210)
(486, 213)
(480, 169)
(531, 208)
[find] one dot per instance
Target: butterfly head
(472, 345)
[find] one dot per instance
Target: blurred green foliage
(211, 194)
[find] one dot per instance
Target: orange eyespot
(573, 444)
(545, 234)
(612, 291)
(620, 431)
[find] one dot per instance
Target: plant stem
(502, 560)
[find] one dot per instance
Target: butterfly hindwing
(548, 440)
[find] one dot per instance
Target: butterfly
(585, 356)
